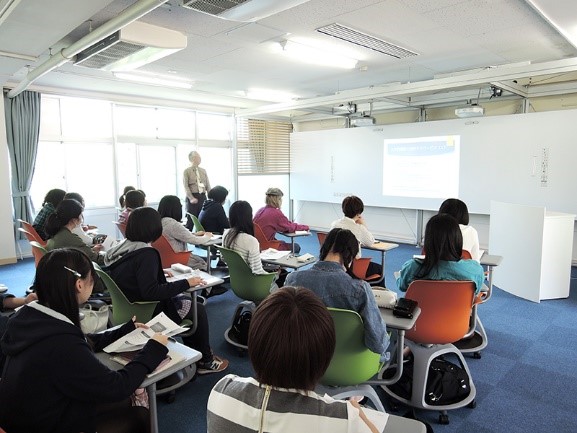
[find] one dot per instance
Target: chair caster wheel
(477, 355)
(472, 405)
(443, 419)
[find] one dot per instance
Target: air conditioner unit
(132, 46)
(470, 111)
(362, 121)
(241, 10)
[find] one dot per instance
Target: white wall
(7, 246)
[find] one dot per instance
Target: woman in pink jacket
(272, 221)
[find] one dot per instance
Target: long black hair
(54, 197)
(240, 216)
(443, 241)
(170, 207)
(67, 210)
(55, 285)
(457, 209)
(344, 243)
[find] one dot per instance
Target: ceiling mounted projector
(362, 121)
(470, 111)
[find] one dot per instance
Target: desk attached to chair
(383, 247)
(189, 357)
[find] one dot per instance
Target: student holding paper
(137, 270)
(51, 380)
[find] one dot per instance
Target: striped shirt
(248, 248)
(241, 405)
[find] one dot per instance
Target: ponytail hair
(67, 210)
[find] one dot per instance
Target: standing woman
(272, 221)
(443, 247)
(51, 202)
(178, 236)
(137, 270)
(458, 210)
(60, 226)
(196, 185)
(51, 380)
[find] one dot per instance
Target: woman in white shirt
(458, 210)
(353, 220)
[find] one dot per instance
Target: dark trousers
(194, 208)
(200, 339)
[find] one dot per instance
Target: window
(214, 127)
(263, 146)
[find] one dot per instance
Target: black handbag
(404, 308)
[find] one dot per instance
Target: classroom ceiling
(462, 47)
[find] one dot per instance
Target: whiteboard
(526, 159)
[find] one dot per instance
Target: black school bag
(447, 383)
(240, 325)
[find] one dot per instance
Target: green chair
(246, 285)
(197, 225)
(122, 309)
(352, 363)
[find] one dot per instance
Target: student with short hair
(290, 344)
(443, 247)
(51, 380)
(137, 270)
(458, 210)
(212, 216)
(51, 202)
(353, 208)
(178, 236)
(333, 281)
(272, 221)
(132, 200)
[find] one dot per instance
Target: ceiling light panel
(363, 40)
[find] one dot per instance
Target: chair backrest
(121, 227)
(244, 283)
(38, 251)
(168, 256)
(263, 241)
(352, 362)
(32, 231)
(360, 266)
(321, 236)
(197, 225)
(122, 309)
(445, 310)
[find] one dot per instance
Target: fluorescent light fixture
(316, 56)
(270, 95)
(157, 80)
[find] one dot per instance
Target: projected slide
(425, 167)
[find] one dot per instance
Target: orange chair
(121, 228)
(32, 231)
(321, 236)
(38, 251)
(263, 241)
(168, 256)
(445, 312)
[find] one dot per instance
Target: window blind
(263, 147)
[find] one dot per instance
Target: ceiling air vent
(241, 10)
(358, 38)
(132, 46)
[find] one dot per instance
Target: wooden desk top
(380, 246)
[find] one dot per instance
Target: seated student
(170, 210)
(51, 380)
(51, 201)
(290, 344)
(80, 230)
(240, 237)
(458, 210)
(272, 221)
(353, 208)
(212, 216)
(333, 281)
(132, 200)
(60, 226)
(136, 267)
(10, 302)
(443, 246)
(122, 198)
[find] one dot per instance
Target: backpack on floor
(240, 325)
